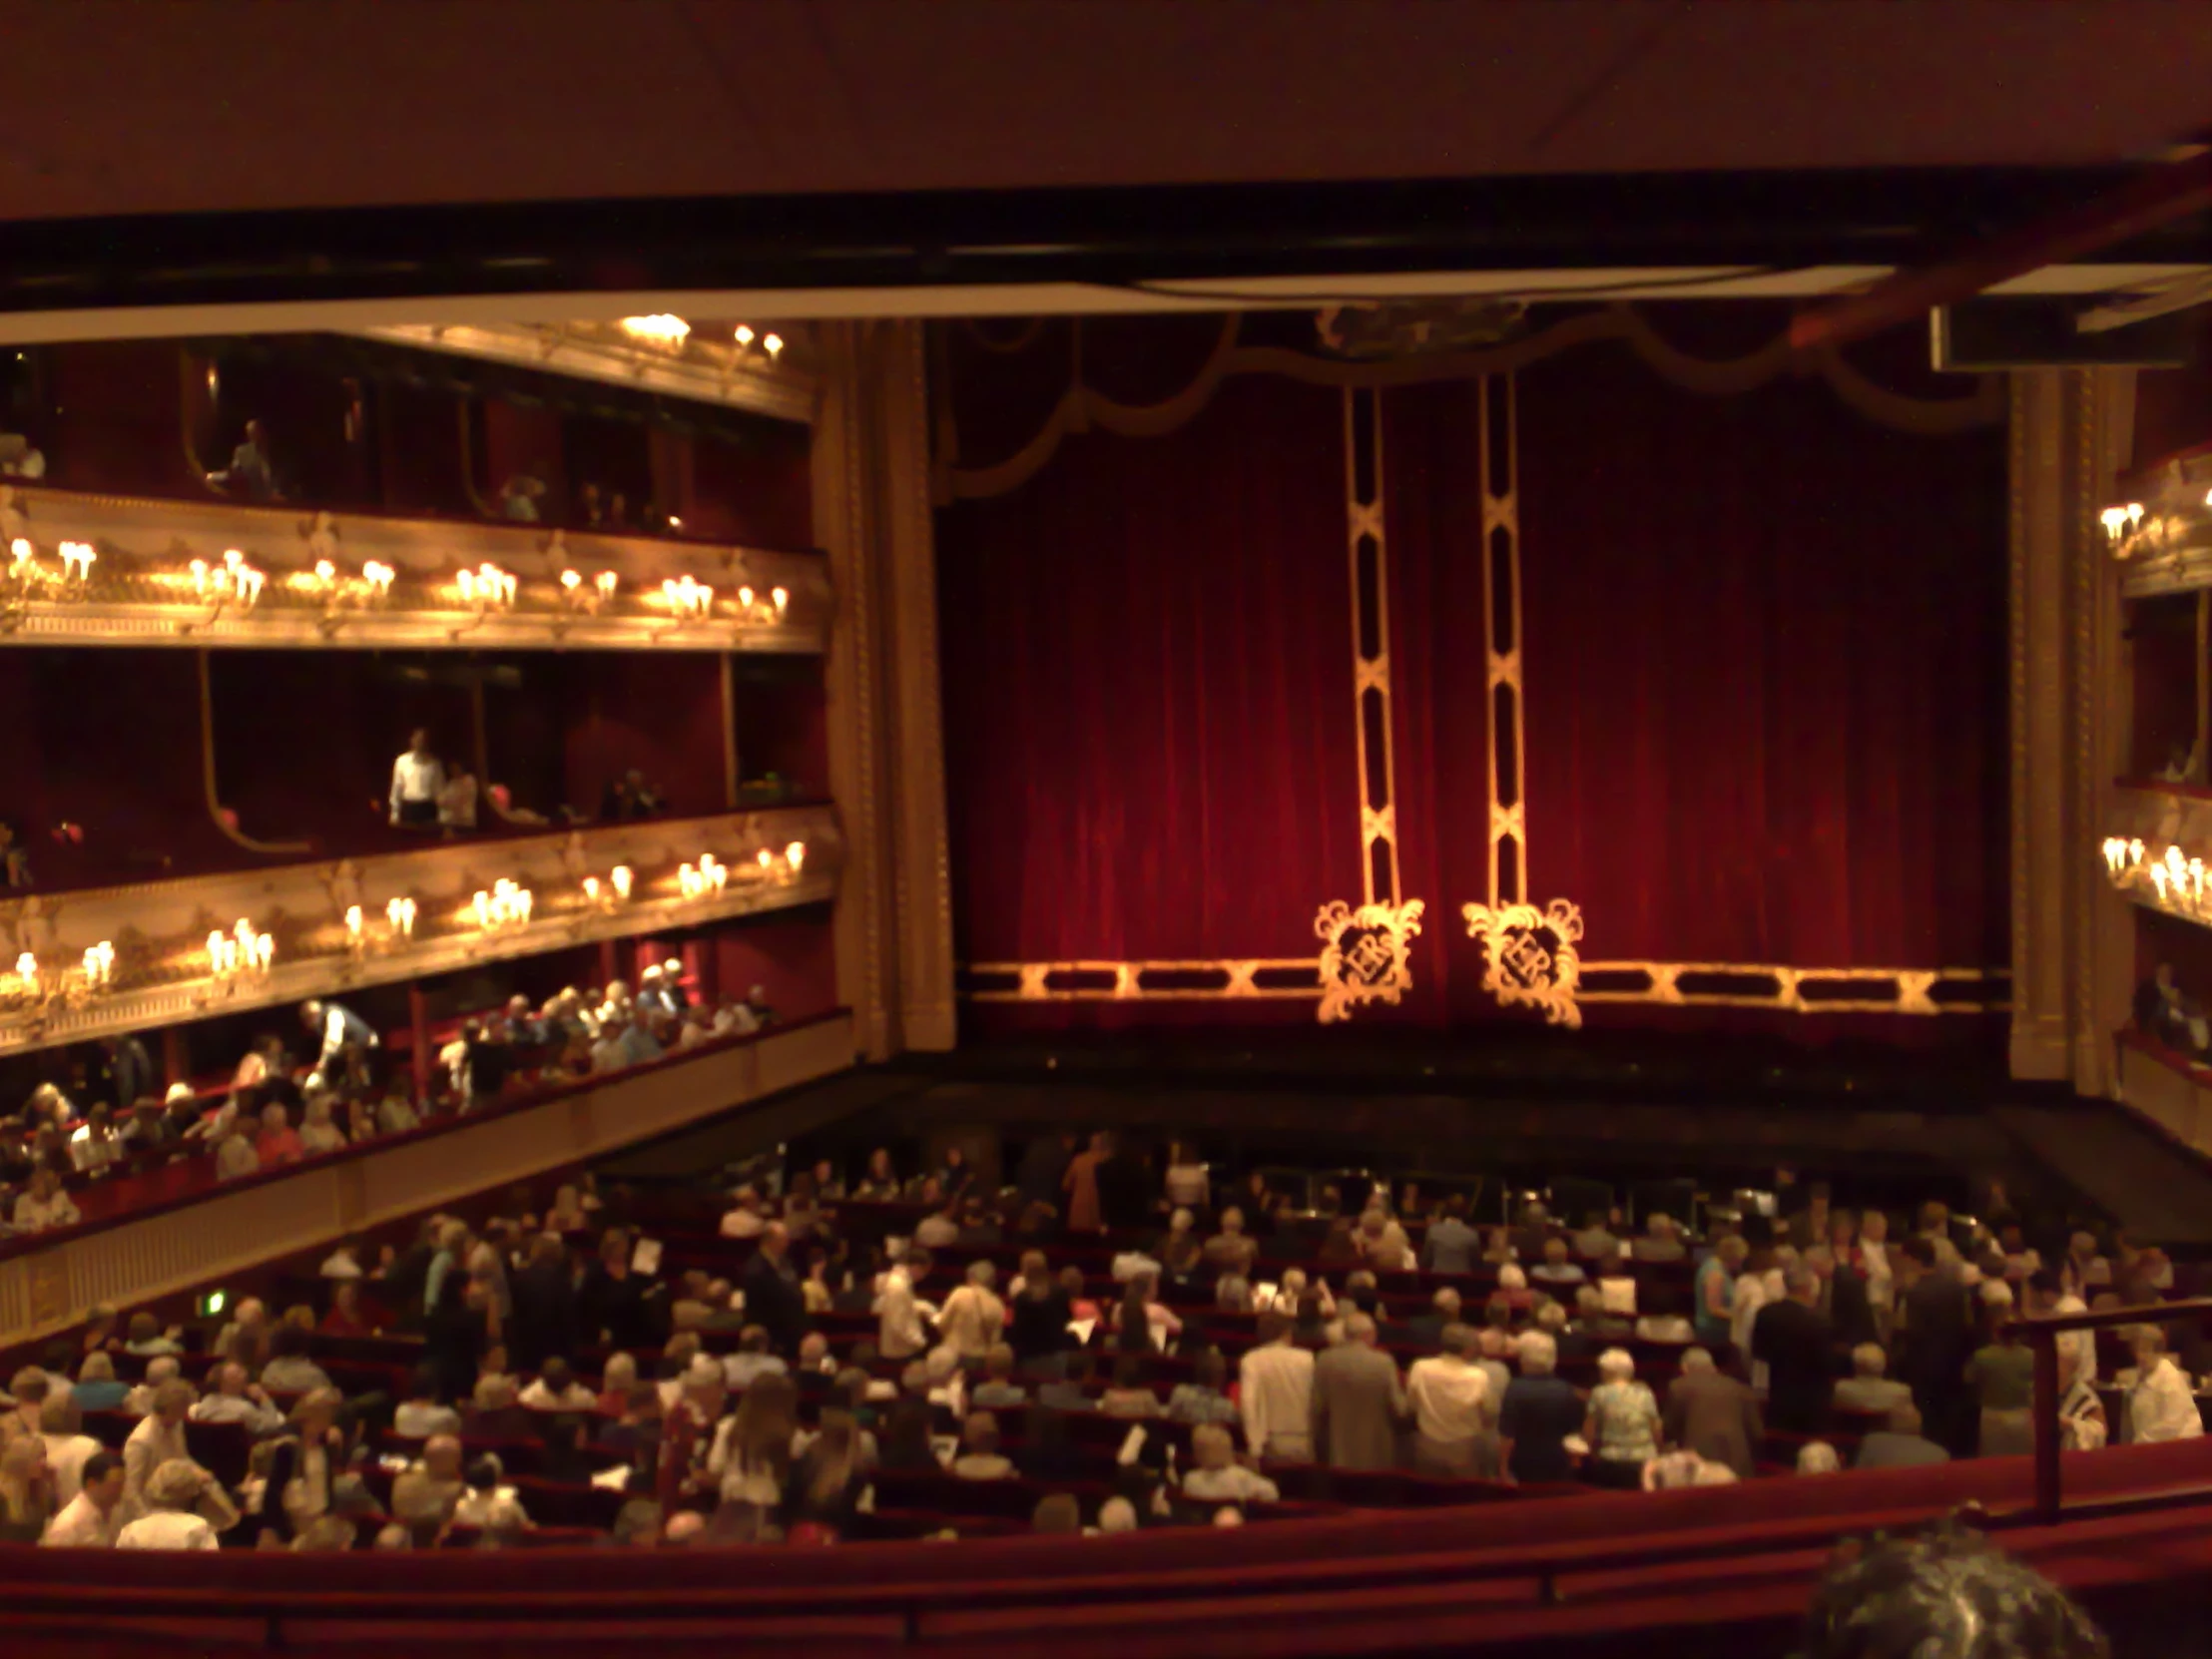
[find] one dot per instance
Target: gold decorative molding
(1795, 991)
(1366, 953)
(780, 386)
(1529, 956)
(333, 925)
(323, 579)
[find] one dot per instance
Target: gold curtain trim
(1082, 406)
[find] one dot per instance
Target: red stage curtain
(1765, 678)
(1766, 674)
(1149, 733)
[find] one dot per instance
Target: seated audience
(423, 1414)
(1231, 1249)
(424, 1495)
(1204, 1398)
(1818, 1458)
(290, 1370)
(980, 1457)
(44, 1206)
(232, 1397)
(98, 1389)
(1900, 1443)
(1381, 1242)
(1217, 1477)
(1867, 1390)
(1130, 1396)
(998, 1389)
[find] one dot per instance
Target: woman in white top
(188, 1509)
(45, 1205)
(973, 1319)
(1185, 1181)
(899, 1330)
(2161, 1406)
(1218, 1476)
(1874, 1267)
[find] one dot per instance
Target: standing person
(1451, 1245)
(1714, 1291)
(1713, 1414)
(417, 779)
(1798, 1347)
(1080, 1181)
(2002, 1374)
(1358, 1402)
(1935, 1341)
(1449, 1397)
(1623, 1424)
(773, 1297)
(347, 1044)
(1541, 1410)
(1038, 1329)
(543, 1324)
(1276, 1394)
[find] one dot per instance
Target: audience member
(1898, 1444)
(980, 1457)
(1867, 1390)
(1275, 1395)
(1942, 1595)
(1540, 1412)
(1713, 1414)
(1217, 1477)
(1798, 1348)
(93, 1518)
(185, 1509)
(1452, 1409)
(2160, 1404)
(1623, 1427)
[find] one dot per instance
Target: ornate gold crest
(1531, 959)
(1364, 955)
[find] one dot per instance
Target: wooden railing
(49, 1280)
(2041, 1333)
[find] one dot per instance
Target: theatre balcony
(115, 959)
(87, 569)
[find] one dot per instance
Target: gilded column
(2072, 937)
(845, 528)
(873, 516)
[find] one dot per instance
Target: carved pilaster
(2071, 937)
(871, 515)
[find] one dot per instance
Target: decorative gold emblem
(1364, 955)
(1531, 955)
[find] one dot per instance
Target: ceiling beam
(2155, 198)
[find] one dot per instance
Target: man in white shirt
(347, 1042)
(233, 1400)
(183, 1497)
(1275, 1395)
(68, 1446)
(416, 778)
(972, 1317)
(1448, 1395)
(93, 1518)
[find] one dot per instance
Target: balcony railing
(49, 1280)
(79, 569)
(112, 960)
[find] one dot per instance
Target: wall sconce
(742, 334)
(794, 856)
(240, 953)
(588, 598)
(709, 875)
(78, 558)
(233, 583)
(99, 965)
(614, 891)
(486, 588)
(661, 329)
(378, 577)
(773, 345)
(689, 598)
(507, 904)
(26, 973)
(399, 914)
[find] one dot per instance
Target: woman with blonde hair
(304, 1467)
(26, 1491)
(187, 1508)
(752, 1457)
